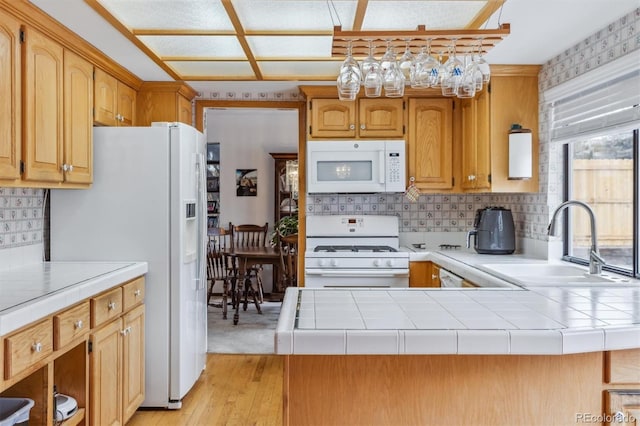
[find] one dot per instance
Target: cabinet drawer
(133, 293)
(71, 325)
(622, 367)
(27, 347)
(106, 307)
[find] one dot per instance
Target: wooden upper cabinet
(126, 105)
(10, 107)
(78, 119)
(476, 150)
(43, 108)
(164, 101)
(363, 118)
(381, 118)
(514, 99)
(115, 102)
(430, 143)
(331, 118)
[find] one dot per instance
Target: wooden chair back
(249, 235)
(220, 265)
(289, 261)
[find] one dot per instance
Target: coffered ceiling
(253, 42)
(271, 40)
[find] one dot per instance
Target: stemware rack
(466, 41)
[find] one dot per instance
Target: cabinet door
(332, 118)
(431, 143)
(78, 119)
(483, 140)
(10, 123)
(468, 108)
(185, 114)
(133, 362)
(126, 105)
(105, 364)
(105, 96)
(381, 117)
(43, 103)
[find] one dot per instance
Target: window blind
(612, 104)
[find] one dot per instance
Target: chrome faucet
(595, 260)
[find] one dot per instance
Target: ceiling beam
(132, 38)
(242, 39)
(361, 10)
(485, 13)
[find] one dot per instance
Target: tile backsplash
(21, 217)
(437, 212)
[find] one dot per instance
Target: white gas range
(354, 251)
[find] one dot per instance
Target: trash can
(15, 411)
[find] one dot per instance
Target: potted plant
(287, 225)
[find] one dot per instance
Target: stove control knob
(389, 262)
(376, 262)
(321, 262)
(334, 262)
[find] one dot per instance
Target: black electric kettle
(494, 232)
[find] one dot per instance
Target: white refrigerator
(147, 203)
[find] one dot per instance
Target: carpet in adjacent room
(254, 333)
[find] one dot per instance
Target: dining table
(246, 258)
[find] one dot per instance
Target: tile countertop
(34, 291)
(503, 319)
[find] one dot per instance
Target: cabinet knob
(64, 167)
(111, 305)
(137, 293)
(471, 177)
(434, 277)
(362, 126)
(118, 117)
(78, 324)
(126, 331)
(352, 127)
(36, 347)
(70, 167)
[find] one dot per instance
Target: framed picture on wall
(246, 182)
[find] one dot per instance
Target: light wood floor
(233, 390)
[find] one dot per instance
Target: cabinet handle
(471, 177)
(434, 277)
(70, 168)
(36, 347)
(78, 324)
(126, 331)
(363, 127)
(64, 167)
(118, 117)
(111, 305)
(137, 293)
(352, 126)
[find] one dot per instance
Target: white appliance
(354, 251)
(359, 166)
(449, 279)
(147, 203)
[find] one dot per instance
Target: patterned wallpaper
(21, 212)
(21, 216)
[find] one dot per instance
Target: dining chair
(248, 235)
(288, 261)
(221, 268)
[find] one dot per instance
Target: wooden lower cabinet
(424, 274)
(117, 369)
(101, 367)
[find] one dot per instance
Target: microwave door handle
(381, 171)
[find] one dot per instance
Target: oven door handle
(359, 273)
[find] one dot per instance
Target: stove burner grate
(449, 246)
(347, 248)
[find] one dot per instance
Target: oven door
(363, 278)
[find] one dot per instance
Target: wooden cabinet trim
(10, 99)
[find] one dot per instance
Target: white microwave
(357, 166)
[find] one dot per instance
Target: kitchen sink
(551, 274)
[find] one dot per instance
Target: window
(597, 116)
(600, 171)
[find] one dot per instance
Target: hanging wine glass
(467, 88)
(438, 74)
(483, 66)
(392, 77)
(453, 73)
(420, 73)
(477, 76)
(407, 62)
(371, 74)
(349, 77)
